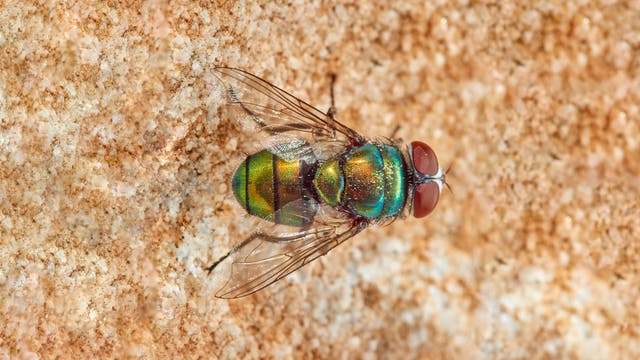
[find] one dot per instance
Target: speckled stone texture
(115, 196)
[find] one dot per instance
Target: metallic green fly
(317, 181)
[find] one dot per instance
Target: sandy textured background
(113, 196)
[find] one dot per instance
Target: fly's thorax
(367, 181)
(396, 180)
(364, 175)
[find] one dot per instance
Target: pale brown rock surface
(114, 192)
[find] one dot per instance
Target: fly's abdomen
(370, 181)
(272, 188)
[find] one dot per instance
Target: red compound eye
(424, 158)
(425, 198)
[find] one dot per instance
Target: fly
(317, 181)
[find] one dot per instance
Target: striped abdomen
(272, 188)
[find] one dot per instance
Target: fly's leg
(396, 140)
(394, 132)
(332, 110)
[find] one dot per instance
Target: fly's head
(428, 178)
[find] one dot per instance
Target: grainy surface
(114, 195)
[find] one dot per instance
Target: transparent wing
(279, 113)
(263, 259)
